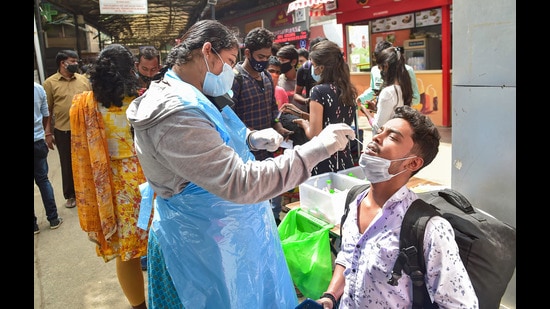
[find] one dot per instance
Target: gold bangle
(48, 134)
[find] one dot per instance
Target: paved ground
(67, 272)
(69, 275)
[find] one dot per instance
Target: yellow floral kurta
(107, 175)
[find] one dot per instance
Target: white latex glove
(336, 136)
(267, 139)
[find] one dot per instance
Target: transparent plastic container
(316, 199)
(355, 171)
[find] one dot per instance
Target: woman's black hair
(112, 76)
(207, 30)
(396, 71)
(335, 70)
(203, 31)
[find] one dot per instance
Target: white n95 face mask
(376, 169)
(217, 85)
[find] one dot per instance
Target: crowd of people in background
(200, 132)
(254, 94)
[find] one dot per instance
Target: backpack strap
(411, 256)
(272, 85)
(239, 79)
(352, 195)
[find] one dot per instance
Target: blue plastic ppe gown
(218, 254)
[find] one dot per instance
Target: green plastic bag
(306, 244)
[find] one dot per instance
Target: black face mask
(144, 78)
(258, 66)
(285, 67)
(73, 68)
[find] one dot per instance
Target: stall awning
(298, 4)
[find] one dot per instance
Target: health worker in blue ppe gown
(213, 242)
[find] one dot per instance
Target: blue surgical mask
(217, 85)
(376, 169)
(316, 77)
(258, 66)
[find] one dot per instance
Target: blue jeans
(42, 181)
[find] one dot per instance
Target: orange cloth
(106, 180)
(91, 170)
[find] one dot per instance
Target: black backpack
(487, 246)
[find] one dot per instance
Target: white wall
(484, 109)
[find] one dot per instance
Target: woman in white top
(396, 89)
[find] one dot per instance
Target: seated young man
(370, 234)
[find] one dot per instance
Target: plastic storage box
(355, 171)
(316, 199)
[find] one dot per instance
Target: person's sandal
(71, 203)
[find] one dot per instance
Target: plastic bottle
(329, 186)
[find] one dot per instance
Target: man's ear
(415, 164)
